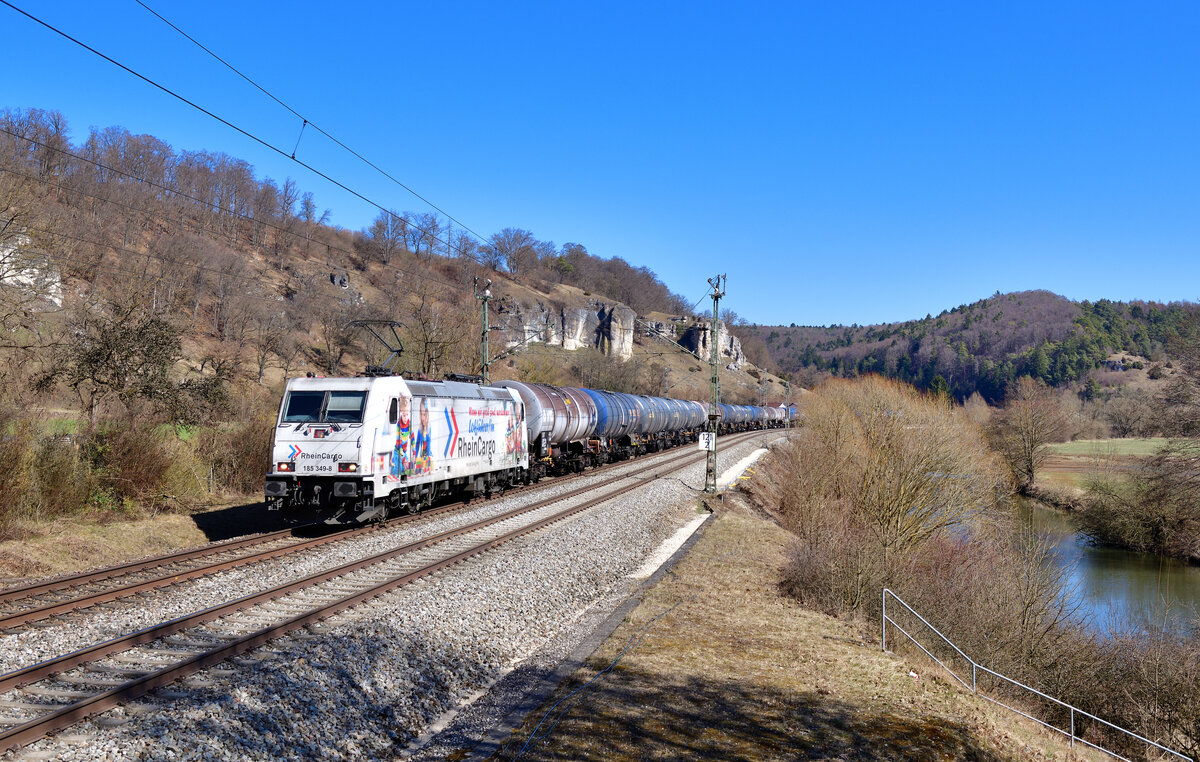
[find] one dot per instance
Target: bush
(239, 455)
(994, 590)
(43, 476)
(1152, 672)
(906, 465)
(1156, 510)
(140, 464)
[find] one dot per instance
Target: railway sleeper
(33, 706)
(57, 693)
(95, 681)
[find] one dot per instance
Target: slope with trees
(142, 286)
(984, 346)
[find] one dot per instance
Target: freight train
(354, 450)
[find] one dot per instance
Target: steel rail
(39, 671)
(66, 716)
(57, 608)
(78, 580)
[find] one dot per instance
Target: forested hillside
(153, 297)
(239, 274)
(985, 345)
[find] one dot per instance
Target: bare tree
(1030, 420)
(330, 310)
(421, 233)
(120, 351)
(1129, 416)
(515, 247)
(384, 239)
(267, 331)
(436, 330)
(312, 220)
(27, 279)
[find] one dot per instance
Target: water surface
(1110, 583)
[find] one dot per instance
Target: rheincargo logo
(452, 424)
(334, 456)
(476, 448)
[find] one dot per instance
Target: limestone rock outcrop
(696, 339)
(603, 325)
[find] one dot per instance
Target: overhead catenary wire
(266, 144)
(206, 204)
(308, 122)
(195, 226)
(76, 259)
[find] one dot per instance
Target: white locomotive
(357, 449)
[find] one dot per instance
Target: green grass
(59, 427)
(1136, 446)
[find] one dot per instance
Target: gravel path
(365, 684)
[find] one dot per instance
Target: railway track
(59, 598)
(59, 692)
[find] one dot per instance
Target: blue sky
(840, 162)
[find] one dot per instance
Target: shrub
(1155, 510)
(239, 455)
(18, 477)
(996, 591)
(139, 464)
(43, 476)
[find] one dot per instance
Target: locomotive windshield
(324, 407)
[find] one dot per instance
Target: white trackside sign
(708, 442)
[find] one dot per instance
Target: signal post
(714, 411)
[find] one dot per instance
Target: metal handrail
(976, 668)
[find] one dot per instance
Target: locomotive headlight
(347, 467)
(285, 465)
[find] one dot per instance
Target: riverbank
(717, 663)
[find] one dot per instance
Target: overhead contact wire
(225, 122)
(307, 121)
(174, 191)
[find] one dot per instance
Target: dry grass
(69, 545)
(1104, 447)
(737, 671)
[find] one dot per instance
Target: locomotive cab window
(324, 407)
(394, 411)
(345, 407)
(303, 407)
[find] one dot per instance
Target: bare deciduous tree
(384, 240)
(436, 330)
(120, 350)
(1031, 419)
(515, 248)
(421, 233)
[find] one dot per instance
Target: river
(1110, 583)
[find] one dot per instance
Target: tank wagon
(353, 450)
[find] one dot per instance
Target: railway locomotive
(353, 450)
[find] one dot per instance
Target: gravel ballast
(367, 683)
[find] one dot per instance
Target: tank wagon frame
(359, 449)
